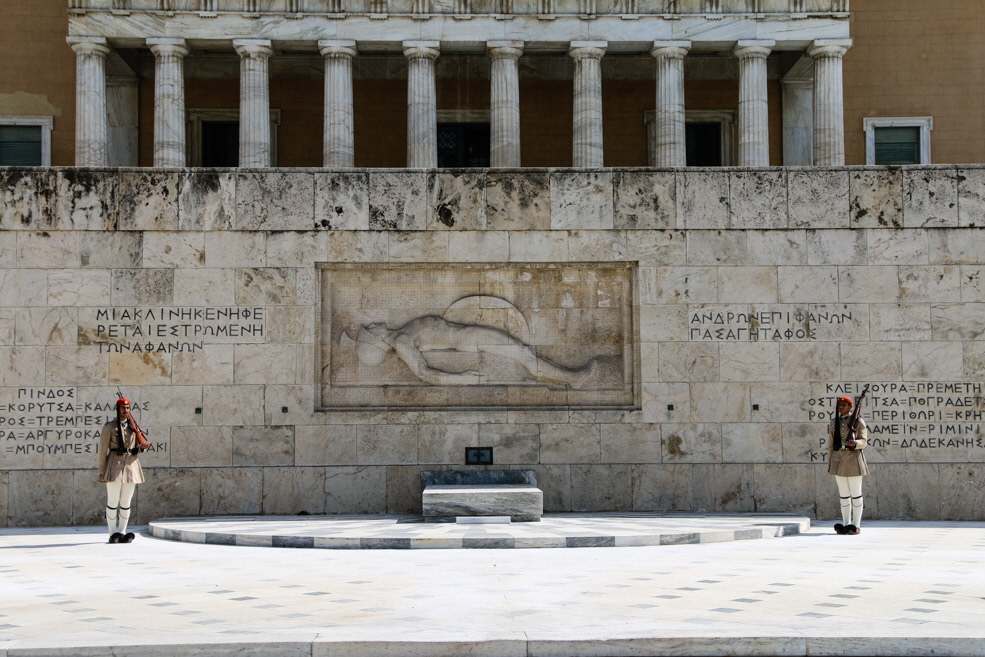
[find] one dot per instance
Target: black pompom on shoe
(117, 537)
(839, 528)
(128, 538)
(852, 530)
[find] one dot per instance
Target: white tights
(850, 492)
(118, 496)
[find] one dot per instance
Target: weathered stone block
(691, 443)
(229, 491)
(777, 247)
(756, 442)
(293, 490)
(197, 447)
(85, 200)
(663, 488)
(457, 200)
(892, 247)
(386, 445)
(899, 321)
(581, 200)
(205, 287)
(398, 200)
(631, 443)
(169, 492)
(876, 198)
(40, 498)
(173, 249)
(810, 284)
(644, 200)
(971, 196)
(810, 361)
(207, 201)
(932, 361)
(758, 199)
(567, 443)
(518, 201)
(147, 200)
(601, 487)
(689, 361)
(341, 201)
(111, 250)
(275, 201)
(357, 489)
(934, 283)
(325, 445)
(723, 488)
(784, 488)
(703, 199)
(930, 197)
(756, 361)
(818, 198)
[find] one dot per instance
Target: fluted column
(669, 147)
(829, 101)
(754, 129)
(91, 125)
(422, 110)
(254, 102)
(337, 147)
(504, 124)
(169, 101)
(587, 141)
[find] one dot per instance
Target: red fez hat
(122, 401)
(846, 400)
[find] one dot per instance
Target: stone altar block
(453, 493)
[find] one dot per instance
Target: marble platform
(411, 532)
(65, 592)
(521, 502)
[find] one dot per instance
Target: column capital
(333, 48)
(829, 48)
(422, 49)
(587, 49)
(504, 49)
(162, 46)
(670, 49)
(253, 48)
(83, 45)
(753, 48)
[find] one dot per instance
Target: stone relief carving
(430, 333)
(478, 336)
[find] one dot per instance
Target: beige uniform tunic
(845, 462)
(119, 467)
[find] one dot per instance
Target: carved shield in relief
(478, 336)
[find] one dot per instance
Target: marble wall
(759, 295)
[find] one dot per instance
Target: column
(169, 101)
(587, 142)
(254, 102)
(422, 117)
(829, 102)
(504, 124)
(669, 147)
(91, 127)
(754, 129)
(798, 122)
(337, 146)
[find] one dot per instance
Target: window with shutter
(21, 145)
(897, 145)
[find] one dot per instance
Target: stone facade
(759, 296)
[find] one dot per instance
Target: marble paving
(898, 588)
(410, 532)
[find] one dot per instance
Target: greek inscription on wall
(768, 323)
(910, 415)
(52, 426)
(169, 329)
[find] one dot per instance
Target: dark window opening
(463, 145)
(703, 143)
(220, 143)
(20, 145)
(897, 145)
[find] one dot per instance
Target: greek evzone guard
(120, 445)
(847, 438)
